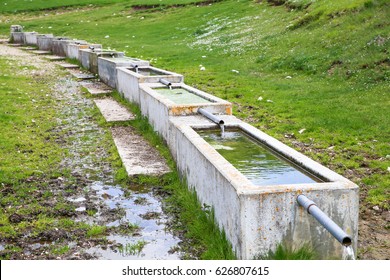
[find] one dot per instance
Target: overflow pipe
(135, 66)
(211, 117)
(165, 82)
(324, 220)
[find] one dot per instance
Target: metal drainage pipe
(135, 66)
(324, 220)
(165, 82)
(211, 117)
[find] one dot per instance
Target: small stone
(15, 218)
(202, 68)
(376, 208)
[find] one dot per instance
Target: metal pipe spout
(211, 117)
(324, 220)
(135, 66)
(165, 82)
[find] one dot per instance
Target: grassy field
(314, 74)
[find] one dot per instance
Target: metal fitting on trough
(211, 116)
(324, 220)
(165, 82)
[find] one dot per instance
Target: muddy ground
(135, 218)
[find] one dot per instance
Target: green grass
(133, 249)
(96, 231)
(26, 146)
(284, 253)
(15, 6)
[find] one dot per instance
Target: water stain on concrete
(112, 111)
(137, 155)
(94, 87)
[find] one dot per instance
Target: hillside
(314, 74)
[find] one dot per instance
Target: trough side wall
(274, 217)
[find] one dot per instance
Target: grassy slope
(16, 6)
(335, 52)
(22, 132)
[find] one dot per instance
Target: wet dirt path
(133, 220)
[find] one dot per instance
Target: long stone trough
(250, 179)
(158, 103)
(89, 57)
(130, 78)
(73, 48)
(107, 67)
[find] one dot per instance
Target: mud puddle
(143, 219)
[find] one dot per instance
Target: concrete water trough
(89, 57)
(254, 194)
(72, 49)
(30, 38)
(44, 41)
(129, 79)
(17, 35)
(107, 67)
(159, 101)
(59, 45)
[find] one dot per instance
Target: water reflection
(258, 164)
